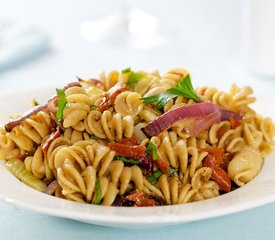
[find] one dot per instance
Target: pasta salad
(136, 138)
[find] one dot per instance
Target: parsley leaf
(155, 176)
(62, 102)
(98, 192)
(127, 160)
(126, 70)
(151, 148)
(171, 171)
(94, 137)
(183, 88)
(93, 107)
(34, 103)
(161, 99)
(134, 79)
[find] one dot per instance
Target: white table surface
(206, 42)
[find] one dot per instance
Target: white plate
(258, 192)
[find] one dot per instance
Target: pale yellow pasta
(214, 95)
(128, 103)
(148, 113)
(55, 145)
(100, 157)
(205, 187)
(108, 125)
(110, 80)
(178, 153)
(124, 177)
(177, 102)
(208, 190)
(167, 81)
(31, 131)
(187, 194)
(175, 154)
(175, 192)
(76, 110)
(75, 154)
(75, 135)
(230, 139)
(80, 187)
(145, 84)
(138, 133)
(95, 95)
(8, 149)
(241, 97)
(36, 164)
(245, 165)
(252, 136)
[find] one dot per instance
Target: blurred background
(50, 42)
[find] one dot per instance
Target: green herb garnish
(98, 192)
(126, 70)
(151, 148)
(183, 88)
(94, 137)
(161, 99)
(127, 160)
(134, 79)
(93, 107)
(171, 171)
(34, 103)
(155, 176)
(62, 102)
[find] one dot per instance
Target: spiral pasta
(245, 165)
(128, 103)
(136, 138)
(167, 81)
(78, 107)
(223, 136)
(214, 95)
(8, 148)
(108, 125)
(22, 139)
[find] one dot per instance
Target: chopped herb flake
(151, 148)
(155, 176)
(34, 103)
(171, 171)
(94, 137)
(127, 160)
(62, 102)
(93, 107)
(98, 192)
(134, 79)
(126, 70)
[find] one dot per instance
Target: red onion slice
(201, 124)
(227, 114)
(52, 105)
(12, 124)
(45, 146)
(169, 118)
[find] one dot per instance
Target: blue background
(258, 223)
